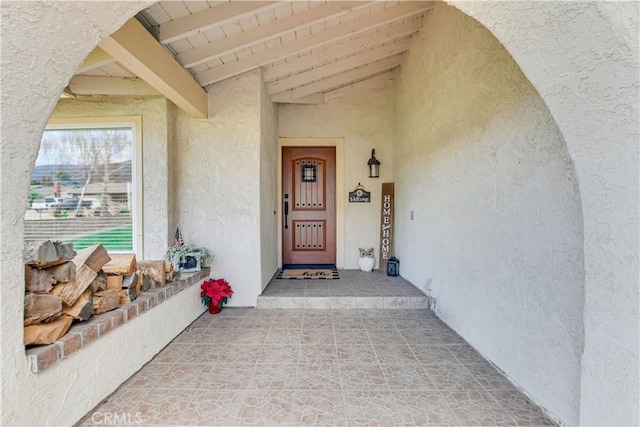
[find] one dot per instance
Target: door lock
(286, 211)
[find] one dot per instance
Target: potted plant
(188, 258)
(215, 293)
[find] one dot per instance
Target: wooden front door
(309, 205)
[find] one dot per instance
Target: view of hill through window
(81, 188)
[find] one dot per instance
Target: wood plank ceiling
(309, 51)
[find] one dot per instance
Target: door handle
(286, 211)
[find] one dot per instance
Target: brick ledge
(84, 333)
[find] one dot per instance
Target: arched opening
(496, 238)
(577, 111)
(603, 148)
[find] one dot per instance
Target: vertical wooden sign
(386, 225)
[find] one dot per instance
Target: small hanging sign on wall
(359, 195)
(386, 225)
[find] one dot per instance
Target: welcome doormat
(305, 271)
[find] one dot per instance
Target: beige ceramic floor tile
(372, 408)
(239, 336)
(407, 377)
(318, 377)
(419, 336)
(318, 408)
(423, 408)
(235, 353)
(356, 354)
(474, 408)
(348, 322)
(144, 406)
(450, 377)
(489, 377)
(466, 354)
(351, 336)
(385, 336)
(286, 323)
(362, 377)
(318, 367)
(433, 354)
(271, 376)
(284, 336)
(394, 354)
(523, 412)
(317, 354)
(284, 353)
(318, 337)
(267, 408)
(214, 408)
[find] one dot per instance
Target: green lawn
(118, 239)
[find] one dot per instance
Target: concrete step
(335, 303)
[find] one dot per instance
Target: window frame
(137, 189)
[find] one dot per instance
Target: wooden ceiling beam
(303, 44)
(362, 85)
(285, 98)
(66, 93)
(347, 77)
(115, 86)
(202, 54)
(345, 48)
(96, 59)
(339, 66)
(215, 16)
(141, 54)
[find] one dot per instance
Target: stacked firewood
(63, 286)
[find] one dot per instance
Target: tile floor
(310, 367)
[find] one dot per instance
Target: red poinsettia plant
(215, 291)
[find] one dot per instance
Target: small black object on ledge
(393, 267)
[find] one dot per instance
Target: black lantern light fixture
(374, 165)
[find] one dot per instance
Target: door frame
(338, 143)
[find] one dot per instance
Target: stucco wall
(172, 170)
(34, 72)
(63, 393)
(497, 234)
(218, 176)
(583, 59)
(365, 120)
(269, 228)
(156, 159)
(559, 45)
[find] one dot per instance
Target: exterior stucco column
(582, 57)
(40, 53)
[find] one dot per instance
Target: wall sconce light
(374, 165)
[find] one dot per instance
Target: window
(85, 184)
(309, 173)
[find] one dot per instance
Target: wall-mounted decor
(386, 225)
(359, 195)
(374, 165)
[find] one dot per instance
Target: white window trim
(135, 123)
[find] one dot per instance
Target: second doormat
(308, 271)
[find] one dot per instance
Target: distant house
(118, 171)
(117, 192)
